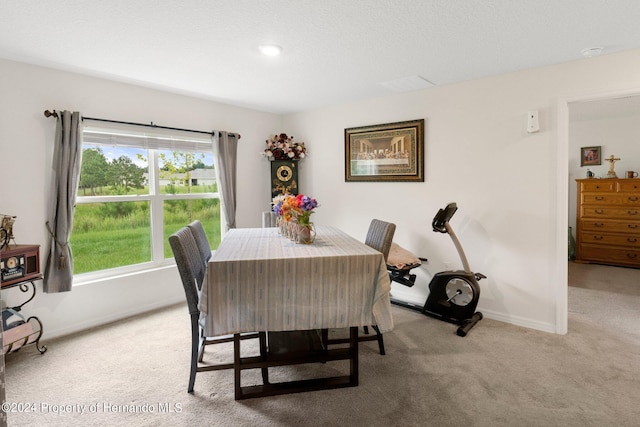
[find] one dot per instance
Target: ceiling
(335, 51)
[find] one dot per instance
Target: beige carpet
(499, 375)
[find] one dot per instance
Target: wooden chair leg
(195, 343)
(324, 336)
(380, 340)
(201, 345)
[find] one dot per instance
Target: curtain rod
(48, 113)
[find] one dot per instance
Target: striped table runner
(258, 280)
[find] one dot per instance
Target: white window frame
(153, 141)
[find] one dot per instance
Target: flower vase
(291, 230)
(306, 233)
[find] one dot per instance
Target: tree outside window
(131, 199)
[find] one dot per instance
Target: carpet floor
(135, 372)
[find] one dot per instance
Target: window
(135, 190)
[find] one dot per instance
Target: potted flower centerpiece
(306, 205)
(294, 216)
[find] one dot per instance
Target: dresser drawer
(624, 199)
(630, 240)
(598, 185)
(618, 256)
(632, 185)
(607, 212)
(607, 226)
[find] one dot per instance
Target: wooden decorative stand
(25, 332)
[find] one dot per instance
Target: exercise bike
(453, 295)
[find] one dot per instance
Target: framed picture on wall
(386, 152)
(590, 156)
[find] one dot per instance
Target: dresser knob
(633, 199)
(597, 237)
(599, 224)
(629, 255)
(599, 198)
(632, 212)
(633, 226)
(631, 240)
(599, 211)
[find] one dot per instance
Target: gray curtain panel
(67, 154)
(225, 150)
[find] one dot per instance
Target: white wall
(26, 143)
(506, 182)
(478, 154)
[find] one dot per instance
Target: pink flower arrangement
(282, 147)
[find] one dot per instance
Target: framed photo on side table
(387, 152)
(590, 156)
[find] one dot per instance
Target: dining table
(258, 280)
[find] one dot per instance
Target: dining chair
(200, 236)
(379, 237)
(269, 219)
(192, 272)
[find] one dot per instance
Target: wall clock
(284, 177)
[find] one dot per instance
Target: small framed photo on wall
(590, 156)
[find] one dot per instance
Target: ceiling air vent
(406, 84)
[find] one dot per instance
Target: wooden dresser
(608, 221)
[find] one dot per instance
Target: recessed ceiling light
(271, 49)
(590, 52)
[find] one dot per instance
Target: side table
(20, 333)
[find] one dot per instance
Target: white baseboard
(520, 321)
(113, 317)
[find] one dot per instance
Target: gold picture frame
(386, 152)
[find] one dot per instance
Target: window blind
(157, 140)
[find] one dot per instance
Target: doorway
(606, 120)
